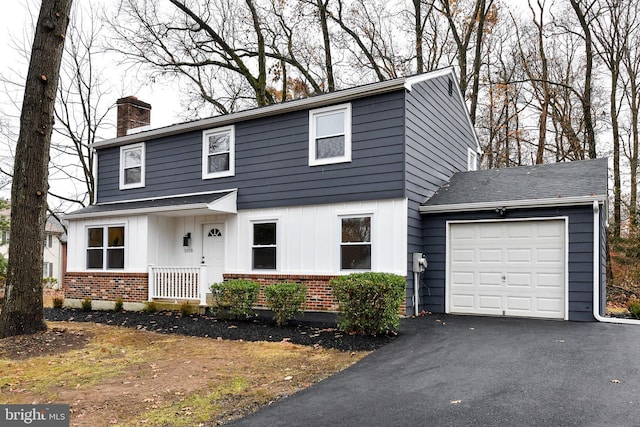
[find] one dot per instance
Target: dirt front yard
(122, 376)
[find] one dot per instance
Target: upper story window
(4, 237)
(132, 166)
(330, 135)
(472, 160)
(264, 248)
(48, 241)
(355, 245)
(218, 152)
(105, 248)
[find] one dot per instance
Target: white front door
(507, 268)
(213, 251)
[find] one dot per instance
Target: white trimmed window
(264, 249)
(355, 243)
(47, 269)
(218, 152)
(472, 160)
(132, 166)
(330, 135)
(105, 248)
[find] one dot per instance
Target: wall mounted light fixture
(186, 240)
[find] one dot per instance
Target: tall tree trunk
(615, 127)
(419, 29)
(23, 312)
(326, 40)
(590, 138)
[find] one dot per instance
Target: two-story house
(301, 191)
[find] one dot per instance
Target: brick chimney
(132, 113)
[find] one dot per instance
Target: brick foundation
(134, 287)
(107, 286)
(319, 294)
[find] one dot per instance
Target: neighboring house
(53, 257)
(301, 191)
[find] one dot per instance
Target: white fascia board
(270, 110)
(517, 204)
(227, 204)
(139, 211)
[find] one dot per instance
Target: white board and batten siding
(308, 238)
(136, 248)
(508, 268)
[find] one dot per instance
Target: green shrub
(118, 305)
(150, 307)
(286, 300)
(234, 299)
(634, 308)
(86, 304)
(369, 302)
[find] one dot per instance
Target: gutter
(596, 273)
(512, 204)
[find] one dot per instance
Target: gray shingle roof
(167, 203)
(556, 181)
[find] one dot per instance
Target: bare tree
(81, 108)
(23, 311)
(585, 12)
(611, 36)
(467, 19)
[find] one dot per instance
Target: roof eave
(270, 110)
(519, 204)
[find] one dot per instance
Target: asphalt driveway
(479, 371)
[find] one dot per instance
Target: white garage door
(508, 268)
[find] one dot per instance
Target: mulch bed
(203, 325)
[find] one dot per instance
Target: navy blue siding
(437, 137)
(580, 262)
(272, 161)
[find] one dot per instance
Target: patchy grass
(117, 376)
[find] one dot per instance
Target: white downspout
(596, 273)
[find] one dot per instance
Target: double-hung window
(105, 248)
(355, 245)
(218, 152)
(330, 135)
(132, 166)
(264, 248)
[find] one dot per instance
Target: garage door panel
(490, 302)
(517, 268)
(519, 255)
(489, 279)
(550, 255)
(490, 255)
(519, 304)
(463, 301)
(550, 280)
(519, 280)
(463, 278)
(463, 255)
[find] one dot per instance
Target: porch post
(203, 285)
(152, 283)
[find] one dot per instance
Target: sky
(164, 101)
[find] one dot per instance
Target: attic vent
(450, 88)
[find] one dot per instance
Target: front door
(213, 251)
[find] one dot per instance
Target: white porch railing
(178, 283)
